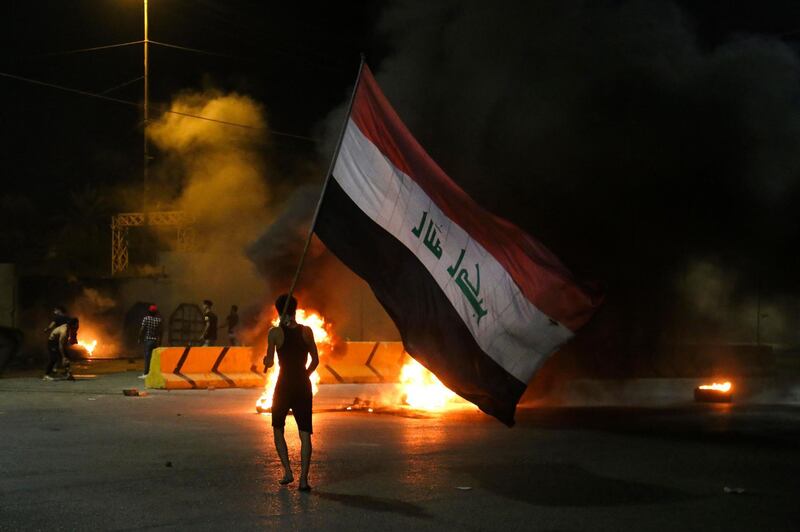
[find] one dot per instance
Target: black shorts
(295, 396)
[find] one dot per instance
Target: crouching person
(57, 344)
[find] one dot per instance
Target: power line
(138, 106)
(68, 89)
(189, 49)
(305, 58)
(92, 49)
(124, 84)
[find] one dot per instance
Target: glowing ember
(89, 346)
(324, 340)
(724, 387)
(422, 390)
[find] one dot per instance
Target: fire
(89, 346)
(323, 337)
(423, 390)
(723, 387)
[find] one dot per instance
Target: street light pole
(146, 114)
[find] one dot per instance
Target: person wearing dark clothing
(150, 334)
(209, 335)
(58, 318)
(54, 350)
(231, 322)
(57, 343)
(293, 389)
(294, 343)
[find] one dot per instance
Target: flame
(89, 346)
(323, 337)
(423, 390)
(724, 387)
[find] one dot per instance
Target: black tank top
(293, 353)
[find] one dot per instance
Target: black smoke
(651, 159)
(635, 149)
(277, 251)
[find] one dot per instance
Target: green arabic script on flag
(470, 289)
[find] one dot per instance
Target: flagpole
(324, 188)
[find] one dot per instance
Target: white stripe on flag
(504, 323)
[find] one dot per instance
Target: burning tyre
(714, 393)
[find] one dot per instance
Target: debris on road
(734, 491)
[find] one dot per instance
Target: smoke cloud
(608, 131)
(325, 283)
(216, 174)
(651, 161)
(220, 167)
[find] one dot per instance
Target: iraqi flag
(477, 301)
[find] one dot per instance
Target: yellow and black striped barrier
(185, 368)
(182, 368)
(364, 362)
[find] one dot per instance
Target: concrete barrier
(364, 362)
(184, 368)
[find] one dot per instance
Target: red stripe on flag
(540, 275)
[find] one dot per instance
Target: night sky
(297, 61)
(652, 145)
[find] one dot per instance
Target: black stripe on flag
(431, 329)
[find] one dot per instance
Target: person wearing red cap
(150, 335)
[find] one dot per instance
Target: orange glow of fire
(89, 346)
(720, 387)
(323, 337)
(422, 390)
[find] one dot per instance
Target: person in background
(209, 336)
(58, 318)
(150, 335)
(231, 322)
(57, 350)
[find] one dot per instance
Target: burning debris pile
(89, 347)
(418, 390)
(714, 393)
(422, 390)
(88, 344)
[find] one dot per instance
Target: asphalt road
(81, 456)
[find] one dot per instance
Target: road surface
(81, 456)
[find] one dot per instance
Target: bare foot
(288, 478)
(304, 486)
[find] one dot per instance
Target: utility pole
(146, 184)
(122, 222)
